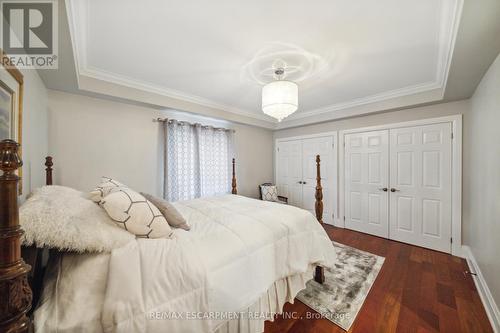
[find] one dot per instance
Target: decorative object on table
(269, 192)
(11, 106)
(346, 286)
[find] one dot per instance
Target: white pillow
(63, 218)
(269, 192)
(131, 211)
(107, 186)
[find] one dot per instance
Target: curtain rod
(166, 120)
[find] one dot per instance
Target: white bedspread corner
(154, 284)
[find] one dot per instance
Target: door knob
(394, 190)
(385, 189)
(300, 182)
(304, 183)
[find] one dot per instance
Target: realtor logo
(29, 33)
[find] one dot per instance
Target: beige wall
(481, 210)
(92, 137)
(35, 137)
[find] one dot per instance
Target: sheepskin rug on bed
(64, 218)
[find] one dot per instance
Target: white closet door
(420, 171)
(289, 173)
(366, 177)
(310, 148)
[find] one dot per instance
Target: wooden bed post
(233, 182)
(319, 191)
(319, 274)
(48, 170)
(15, 293)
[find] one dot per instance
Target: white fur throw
(63, 218)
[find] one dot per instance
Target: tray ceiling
(349, 55)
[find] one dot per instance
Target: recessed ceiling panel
(338, 51)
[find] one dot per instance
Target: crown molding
(393, 104)
(392, 94)
(78, 38)
(105, 89)
(77, 11)
(129, 82)
(451, 10)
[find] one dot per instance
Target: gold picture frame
(11, 106)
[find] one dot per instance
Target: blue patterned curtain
(197, 161)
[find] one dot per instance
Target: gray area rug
(346, 286)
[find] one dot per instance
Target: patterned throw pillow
(174, 218)
(131, 211)
(107, 186)
(269, 192)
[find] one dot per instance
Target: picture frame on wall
(11, 106)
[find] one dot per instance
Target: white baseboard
(484, 292)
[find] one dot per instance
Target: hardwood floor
(417, 290)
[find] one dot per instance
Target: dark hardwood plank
(417, 290)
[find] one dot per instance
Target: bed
(237, 266)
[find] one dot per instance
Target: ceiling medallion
(269, 67)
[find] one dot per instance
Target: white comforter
(236, 249)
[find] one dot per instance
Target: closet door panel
(289, 171)
(366, 175)
(421, 178)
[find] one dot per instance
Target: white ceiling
(350, 54)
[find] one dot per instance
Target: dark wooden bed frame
(21, 282)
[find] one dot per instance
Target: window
(197, 161)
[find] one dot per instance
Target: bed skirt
(251, 319)
(70, 316)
